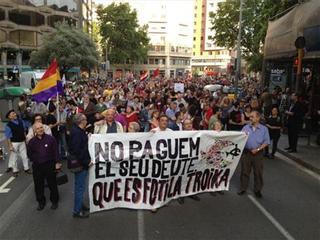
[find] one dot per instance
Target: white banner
(147, 170)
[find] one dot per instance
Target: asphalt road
(289, 209)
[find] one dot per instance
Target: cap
(8, 113)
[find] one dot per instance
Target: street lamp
(238, 69)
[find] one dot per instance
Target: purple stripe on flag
(45, 95)
(60, 87)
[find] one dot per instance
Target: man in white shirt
(163, 124)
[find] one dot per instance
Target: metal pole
(238, 71)
(299, 70)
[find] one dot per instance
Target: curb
(300, 161)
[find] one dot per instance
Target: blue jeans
(79, 189)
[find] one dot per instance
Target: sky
(182, 9)
(177, 11)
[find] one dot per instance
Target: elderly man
(43, 153)
(15, 134)
(109, 125)
(37, 118)
(258, 139)
(79, 148)
(133, 127)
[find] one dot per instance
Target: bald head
(38, 129)
(109, 115)
(255, 117)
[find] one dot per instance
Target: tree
(256, 14)
(121, 34)
(70, 46)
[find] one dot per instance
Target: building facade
(170, 39)
(23, 23)
(207, 57)
(280, 55)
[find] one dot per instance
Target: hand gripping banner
(147, 170)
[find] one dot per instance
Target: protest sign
(147, 170)
(179, 87)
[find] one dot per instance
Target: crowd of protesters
(129, 105)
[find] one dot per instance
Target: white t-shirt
(159, 130)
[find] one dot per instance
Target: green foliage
(121, 34)
(69, 45)
(256, 14)
(96, 36)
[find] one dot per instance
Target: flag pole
(58, 111)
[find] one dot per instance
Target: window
(3, 36)
(52, 20)
(156, 61)
(194, 38)
(35, 3)
(151, 60)
(163, 61)
(2, 14)
(11, 57)
(63, 5)
(27, 18)
(162, 73)
(25, 57)
(24, 38)
(172, 61)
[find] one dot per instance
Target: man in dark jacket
(295, 121)
(43, 153)
(89, 109)
(79, 148)
(15, 135)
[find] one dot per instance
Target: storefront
(281, 53)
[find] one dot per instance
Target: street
(289, 209)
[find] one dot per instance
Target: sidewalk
(307, 155)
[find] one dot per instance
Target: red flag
(156, 73)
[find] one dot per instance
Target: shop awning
(303, 20)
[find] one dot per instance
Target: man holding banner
(79, 148)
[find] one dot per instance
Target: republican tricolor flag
(49, 85)
(144, 76)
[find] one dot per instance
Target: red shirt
(133, 117)
(207, 117)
